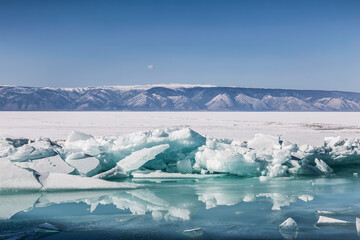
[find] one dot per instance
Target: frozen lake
(297, 127)
(221, 208)
(200, 205)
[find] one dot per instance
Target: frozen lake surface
(324, 205)
(221, 208)
(297, 127)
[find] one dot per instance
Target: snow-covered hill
(174, 97)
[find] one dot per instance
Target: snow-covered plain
(297, 127)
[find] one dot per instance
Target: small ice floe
(323, 167)
(288, 229)
(330, 221)
(356, 174)
(288, 225)
(326, 213)
(358, 226)
(193, 233)
(306, 198)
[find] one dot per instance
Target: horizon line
(170, 86)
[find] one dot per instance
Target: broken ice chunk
(132, 162)
(332, 141)
(49, 164)
(330, 221)
(288, 225)
(41, 148)
(322, 166)
(61, 181)
(78, 136)
(114, 173)
(325, 212)
(184, 166)
(193, 233)
(76, 155)
(276, 170)
(13, 177)
(306, 198)
(139, 158)
(224, 157)
(264, 142)
(6, 147)
(87, 166)
(85, 143)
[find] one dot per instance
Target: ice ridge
(170, 152)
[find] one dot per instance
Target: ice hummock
(224, 156)
(171, 153)
(182, 144)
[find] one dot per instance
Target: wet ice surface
(212, 208)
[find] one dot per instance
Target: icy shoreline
(87, 162)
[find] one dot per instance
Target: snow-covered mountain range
(174, 97)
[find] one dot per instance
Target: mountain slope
(174, 98)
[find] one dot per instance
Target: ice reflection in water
(222, 207)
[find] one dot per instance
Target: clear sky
(273, 44)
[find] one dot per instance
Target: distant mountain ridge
(174, 97)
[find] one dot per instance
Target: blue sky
(271, 44)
